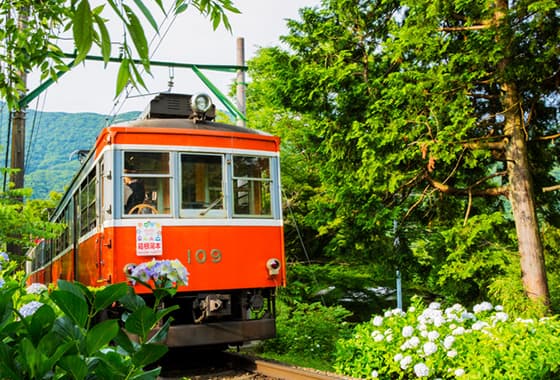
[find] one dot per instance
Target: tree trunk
(522, 198)
(521, 193)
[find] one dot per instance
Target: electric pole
(241, 80)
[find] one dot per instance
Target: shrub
(309, 330)
(451, 343)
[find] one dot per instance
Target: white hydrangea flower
(30, 308)
(389, 338)
(421, 370)
(398, 357)
(500, 317)
(434, 306)
(407, 331)
(479, 325)
(459, 372)
(36, 288)
(448, 341)
(377, 320)
(374, 374)
(375, 333)
(451, 353)
(429, 348)
(482, 307)
(411, 309)
(433, 335)
(388, 314)
(459, 331)
(410, 343)
(405, 362)
(499, 308)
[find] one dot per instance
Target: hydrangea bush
(436, 343)
(64, 332)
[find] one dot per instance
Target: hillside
(51, 137)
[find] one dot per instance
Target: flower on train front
(164, 273)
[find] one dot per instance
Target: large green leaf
(41, 323)
(138, 36)
(73, 306)
(82, 29)
(108, 295)
(100, 335)
(148, 354)
(75, 365)
(140, 322)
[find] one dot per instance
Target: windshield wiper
(211, 206)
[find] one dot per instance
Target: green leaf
(71, 287)
(42, 322)
(138, 36)
(105, 39)
(74, 365)
(148, 354)
(140, 4)
(73, 306)
(82, 29)
(161, 334)
(147, 375)
(100, 335)
(140, 322)
(123, 76)
(108, 296)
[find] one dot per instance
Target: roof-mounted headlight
(201, 103)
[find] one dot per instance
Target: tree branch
(550, 188)
(491, 191)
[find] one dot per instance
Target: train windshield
(146, 183)
(251, 186)
(202, 185)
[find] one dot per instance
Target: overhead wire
(38, 110)
(114, 111)
(300, 238)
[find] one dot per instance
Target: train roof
(192, 124)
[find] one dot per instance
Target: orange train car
(174, 184)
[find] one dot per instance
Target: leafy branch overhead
(32, 35)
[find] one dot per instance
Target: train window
(146, 183)
(87, 206)
(201, 186)
(251, 186)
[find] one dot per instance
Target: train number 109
(200, 256)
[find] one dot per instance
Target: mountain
(51, 138)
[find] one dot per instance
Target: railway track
(231, 366)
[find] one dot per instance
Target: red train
(174, 184)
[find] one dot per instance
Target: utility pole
(18, 138)
(241, 80)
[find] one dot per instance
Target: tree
(439, 115)
(32, 33)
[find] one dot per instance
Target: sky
(91, 88)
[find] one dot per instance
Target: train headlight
(201, 103)
(273, 266)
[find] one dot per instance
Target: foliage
(64, 333)
(308, 330)
(393, 122)
(20, 222)
(451, 343)
(32, 35)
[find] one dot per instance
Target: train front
(181, 187)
